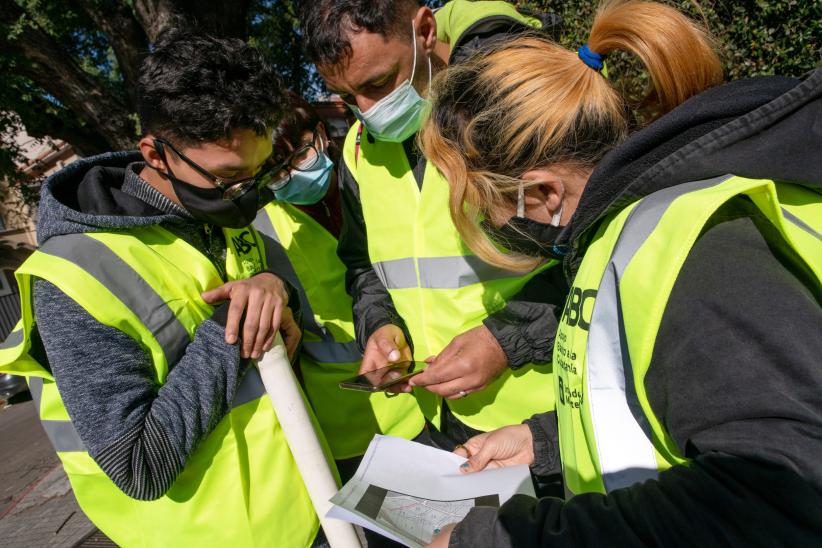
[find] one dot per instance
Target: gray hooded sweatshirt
(140, 433)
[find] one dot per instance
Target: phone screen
(383, 378)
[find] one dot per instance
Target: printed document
(407, 491)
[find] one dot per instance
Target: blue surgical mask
(308, 187)
(400, 114)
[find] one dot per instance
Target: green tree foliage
(755, 37)
(70, 67)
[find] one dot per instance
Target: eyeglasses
(304, 158)
(231, 189)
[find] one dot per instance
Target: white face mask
(555, 219)
(398, 115)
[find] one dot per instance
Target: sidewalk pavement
(37, 506)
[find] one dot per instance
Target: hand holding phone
(384, 378)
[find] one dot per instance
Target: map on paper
(407, 492)
(413, 517)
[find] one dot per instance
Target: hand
(468, 364)
(385, 346)
(264, 300)
(508, 446)
(442, 538)
(291, 334)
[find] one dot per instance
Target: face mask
(308, 187)
(398, 115)
(527, 236)
(207, 204)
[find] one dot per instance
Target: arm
(139, 433)
(735, 377)
(522, 332)
(526, 327)
(373, 307)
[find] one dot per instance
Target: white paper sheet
(406, 491)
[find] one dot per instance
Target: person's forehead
(243, 149)
(372, 55)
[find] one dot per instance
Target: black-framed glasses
(304, 158)
(231, 189)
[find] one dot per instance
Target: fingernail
(465, 465)
(394, 355)
(436, 531)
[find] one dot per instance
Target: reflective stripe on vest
(626, 442)
(64, 436)
(305, 254)
(437, 286)
(438, 272)
(232, 465)
(800, 223)
(97, 259)
(14, 338)
(327, 350)
(623, 437)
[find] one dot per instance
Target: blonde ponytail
(530, 103)
(677, 53)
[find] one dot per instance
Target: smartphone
(384, 378)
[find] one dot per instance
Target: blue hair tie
(590, 58)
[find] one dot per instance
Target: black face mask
(529, 237)
(207, 204)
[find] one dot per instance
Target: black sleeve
(543, 427)
(737, 365)
(736, 378)
(717, 500)
(139, 432)
(525, 328)
(373, 307)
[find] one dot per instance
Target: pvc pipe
(295, 419)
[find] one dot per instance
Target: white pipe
(286, 396)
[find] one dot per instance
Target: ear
(323, 132)
(426, 26)
(544, 196)
(150, 154)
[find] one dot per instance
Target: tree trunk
(126, 36)
(216, 17)
(157, 15)
(40, 123)
(53, 69)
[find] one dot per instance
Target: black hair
(194, 88)
(300, 117)
(326, 24)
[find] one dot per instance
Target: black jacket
(736, 372)
(525, 327)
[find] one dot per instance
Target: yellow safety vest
(306, 255)
(241, 486)
(438, 286)
(609, 435)
(458, 16)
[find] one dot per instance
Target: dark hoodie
(139, 433)
(736, 372)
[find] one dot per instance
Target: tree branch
(157, 15)
(54, 70)
(216, 17)
(126, 36)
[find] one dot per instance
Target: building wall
(42, 158)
